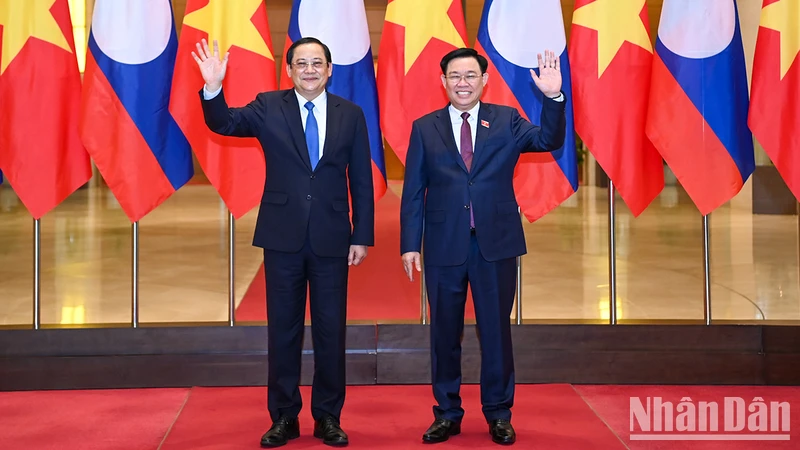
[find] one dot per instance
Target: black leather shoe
(330, 432)
(441, 430)
(282, 430)
(502, 432)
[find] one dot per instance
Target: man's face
(309, 70)
(464, 83)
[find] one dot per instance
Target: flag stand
(707, 273)
(231, 261)
(37, 281)
(612, 256)
(135, 277)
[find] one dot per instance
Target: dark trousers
(493, 285)
(288, 276)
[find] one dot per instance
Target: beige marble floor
(86, 261)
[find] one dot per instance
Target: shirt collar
(321, 102)
(455, 115)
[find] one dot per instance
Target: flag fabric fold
(125, 123)
(342, 26)
(699, 100)
(542, 181)
(774, 115)
(611, 60)
(416, 35)
(234, 166)
(41, 154)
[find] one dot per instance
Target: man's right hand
(211, 67)
(410, 261)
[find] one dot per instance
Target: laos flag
(511, 35)
(697, 117)
(125, 122)
(342, 26)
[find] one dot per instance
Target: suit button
(312, 176)
(466, 206)
(308, 197)
(471, 183)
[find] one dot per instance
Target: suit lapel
(485, 116)
(445, 128)
(291, 111)
(332, 126)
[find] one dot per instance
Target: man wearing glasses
(458, 197)
(317, 156)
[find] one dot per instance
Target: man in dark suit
(458, 197)
(315, 144)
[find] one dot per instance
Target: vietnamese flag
(774, 115)
(611, 58)
(234, 166)
(416, 35)
(41, 154)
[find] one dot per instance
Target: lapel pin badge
(484, 124)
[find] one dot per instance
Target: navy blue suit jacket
(297, 201)
(438, 188)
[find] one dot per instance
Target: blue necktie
(312, 136)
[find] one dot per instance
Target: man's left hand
(549, 79)
(357, 254)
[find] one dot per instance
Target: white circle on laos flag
(132, 31)
(521, 30)
(697, 29)
(340, 24)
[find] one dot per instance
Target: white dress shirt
(320, 112)
(456, 121)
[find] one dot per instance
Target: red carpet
(375, 417)
(88, 420)
(378, 288)
(391, 417)
(613, 404)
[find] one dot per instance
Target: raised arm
(221, 119)
(212, 68)
(547, 138)
(550, 136)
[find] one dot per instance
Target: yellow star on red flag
(229, 22)
(423, 20)
(25, 19)
(616, 22)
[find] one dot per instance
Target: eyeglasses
(456, 78)
(301, 65)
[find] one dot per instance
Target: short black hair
(464, 53)
(307, 40)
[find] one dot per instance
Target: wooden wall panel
(736, 354)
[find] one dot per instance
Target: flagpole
(135, 277)
(519, 290)
(231, 261)
(518, 319)
(612, 255)
(37, 281)
(707, 272)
